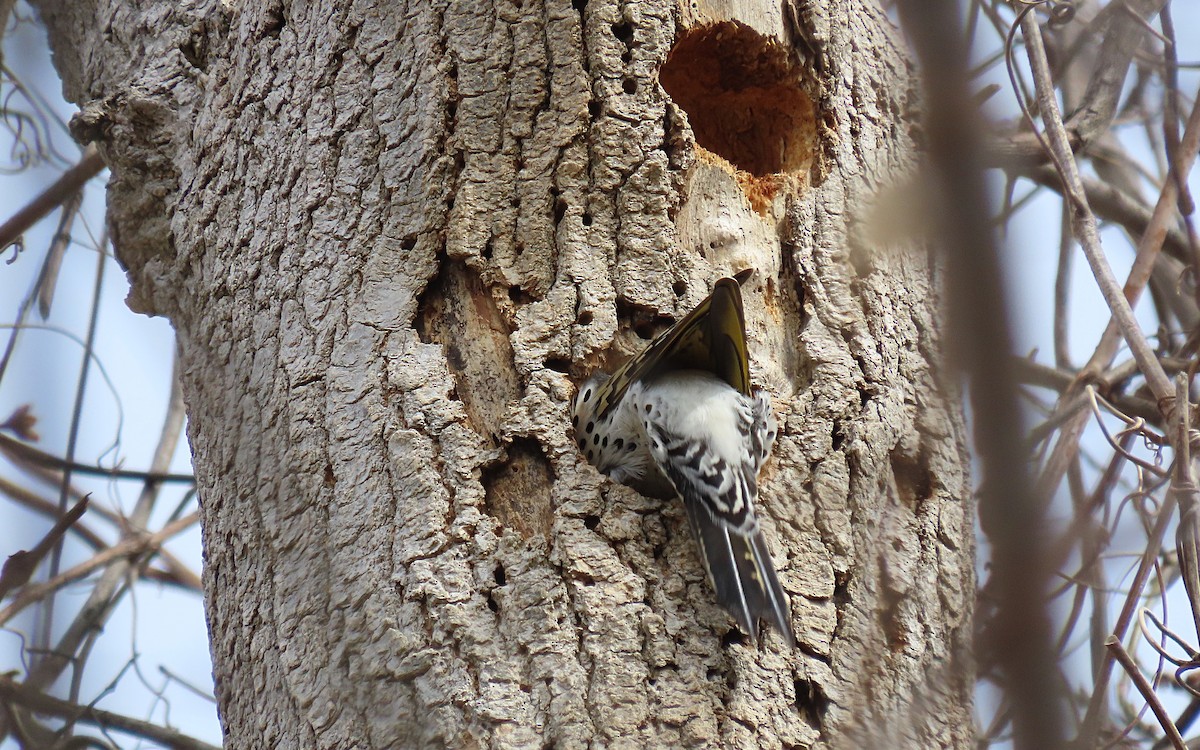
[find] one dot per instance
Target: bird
(681, 420)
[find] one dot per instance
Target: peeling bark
(392, 236)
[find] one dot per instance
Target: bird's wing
(712, 337)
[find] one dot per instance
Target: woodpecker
(681, 420)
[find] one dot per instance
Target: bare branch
(69, 183)
(143, 545)
(20, 565)
(1082, 218)
(39, 702)
(1118, 651)
(1125, 34)
(18, 452)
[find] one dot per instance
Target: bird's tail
(742, 573)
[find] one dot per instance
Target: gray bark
(392, 236)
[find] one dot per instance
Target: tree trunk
(393, 236)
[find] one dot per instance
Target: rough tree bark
(392, 236)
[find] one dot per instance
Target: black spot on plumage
(677, 450)
(587, 394)
(596, 439)
(590, 426)
(647, 408)
(631, 447)
(605, 442)
(575, 421)
(582, 443)
(590, 455)
(618, 443)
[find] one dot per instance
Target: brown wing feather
(711, 337)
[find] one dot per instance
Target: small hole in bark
(629, 85)
(587, 219)
(498, 574)
(590, 522)
(585, 318)
(487, 250)
(273, 22)
(193, 50)
(624, 32)
(491, 603)
(680, 288)
(594, 109)
(579, 5)
(733, 637)
(408, 243)
(811, 700)
(559, 365)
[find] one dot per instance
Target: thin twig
(1095, 113)
(1082, 218)
(1183, 484)
(39, 702)
(1166, 633)
(1139, 680)
(131, 547)
(1062, 292)
(71, 181)
(48, 277)
(20, 565)
(64, 491)
(19, 451)
(1154, 236)
(1091, 722)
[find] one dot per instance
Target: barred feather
(680, 419)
